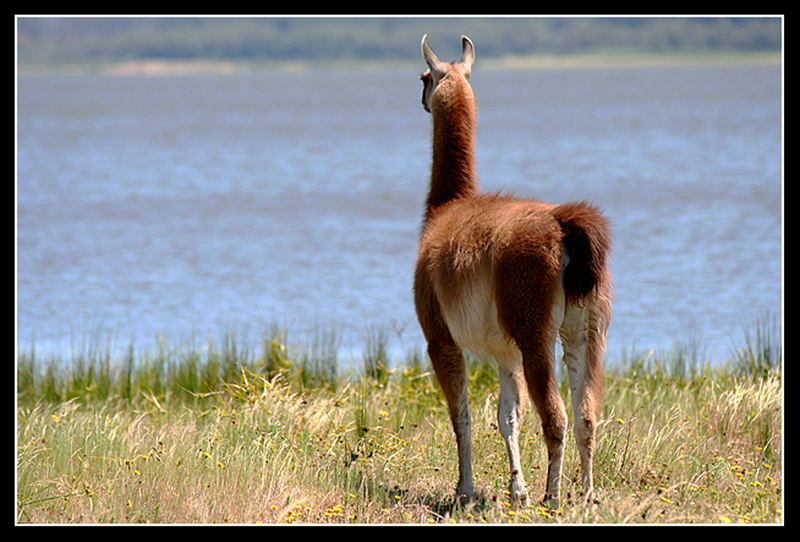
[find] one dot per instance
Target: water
(183, 205)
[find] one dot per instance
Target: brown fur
(491, 275)
(453, 174)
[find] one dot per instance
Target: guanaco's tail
(587, 240)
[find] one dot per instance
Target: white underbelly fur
(473, 322)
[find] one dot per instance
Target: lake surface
(184, 205)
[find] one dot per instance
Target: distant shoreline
(571, 61)
(632, 60)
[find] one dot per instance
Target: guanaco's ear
(467, 55)
(437, 66)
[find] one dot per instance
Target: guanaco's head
(437, 69)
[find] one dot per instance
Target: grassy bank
(235, 433)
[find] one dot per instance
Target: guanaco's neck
(453, 170)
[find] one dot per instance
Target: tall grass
(233, 431)
(173, 371)
(762, 352)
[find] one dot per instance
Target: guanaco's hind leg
(450, 369)
(538, 355)
(583, 341)
(545, 396)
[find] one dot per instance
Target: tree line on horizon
(64, 40)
